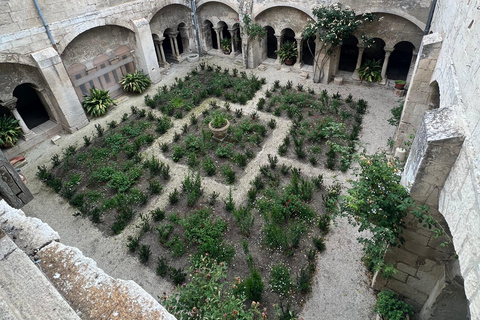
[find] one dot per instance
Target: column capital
(298, 38)
(361, 46)
(11, 103)
(389, 50)
(218, 29)
(172, 34)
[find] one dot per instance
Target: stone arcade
(50, 57)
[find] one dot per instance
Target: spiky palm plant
(98, 102)
(136, 82)
(9, 131)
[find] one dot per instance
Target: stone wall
(455, 69)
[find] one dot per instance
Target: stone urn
(219, 133)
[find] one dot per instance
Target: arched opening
(208, 34)
(400, 61)
(167, 46)
(348, 54)
(434, 100)
(214, 42)
(182, 38)
(308, 51)
(288, 35)
(30, 106)
(375, 52)
(236, 37)
(271, 43)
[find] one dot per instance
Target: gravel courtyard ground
(341, 285)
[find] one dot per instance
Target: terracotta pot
(219, 133)
(399, 86)
(226, 51)
(289, 62)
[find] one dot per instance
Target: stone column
(299, 62)
(162, 53)
(174, 36)
(232, 38)
(174, 54)
(217, 31)
(65, 100)
(12, 106)
(279, 46)
(359, 62)
(145, 49)
(388, 52)
(157, 51)
(185, 34)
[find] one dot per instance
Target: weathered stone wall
(457, 73)
(216, 12)
(14, 74)
(280, 18)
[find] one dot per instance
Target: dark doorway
(167, 47)
(214, 37)
(271, 43)
(308, 51)
(348, 54)
(288, 35)
(30, 106)
(179, 43)
(400, 60)
(376, 52)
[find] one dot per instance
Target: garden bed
(225, 160)
(274, 235)
(325, 127)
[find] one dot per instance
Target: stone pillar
(219, 45)
(279, 46)
(232, 37)
(145, 49)
(12, 106)
(176, 45)
(162, 53)
(361, 48)
(157, 51)
(172, 45)
(299, 62)
(186, 43)
(65, 101)
(388, 52)
(419, 93)
(412, 68)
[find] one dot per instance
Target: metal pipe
(430, 16)
(45, 24)
(195, 25)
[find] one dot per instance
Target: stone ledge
(93, 293)
(29, 234)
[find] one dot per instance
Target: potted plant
(9, 131)
(219, 126)
(288, 52)
(390, 307)
(226, 43)
(371, 71)
(399, 84)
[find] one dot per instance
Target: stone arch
(296, 22)
(393, 11)
(226, 3)
(376, 52)
(155, 10)
(400, 60)
(89, 25)
(106, 52)
(215, 12)
(303, 9)
(236, 37)
(170, 16)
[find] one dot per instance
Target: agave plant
(136, 82)
(371, 71)
(9, 131)
(98, 102)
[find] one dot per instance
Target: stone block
(406, 268)
(401, 276)
(262, 67)
(30, 234)
(401, 255)
(411, 235)
(304, 75)
(91, 291)
(398, 92)
(407, 291)
(285, 69)
(338, 80)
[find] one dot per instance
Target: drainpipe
(45, 25)
(430, 16)
(195, 25)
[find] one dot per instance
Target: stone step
(25, 293)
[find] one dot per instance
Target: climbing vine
(379, 203)
(254, 31)
(332, 25)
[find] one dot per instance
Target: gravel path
(341, 286)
